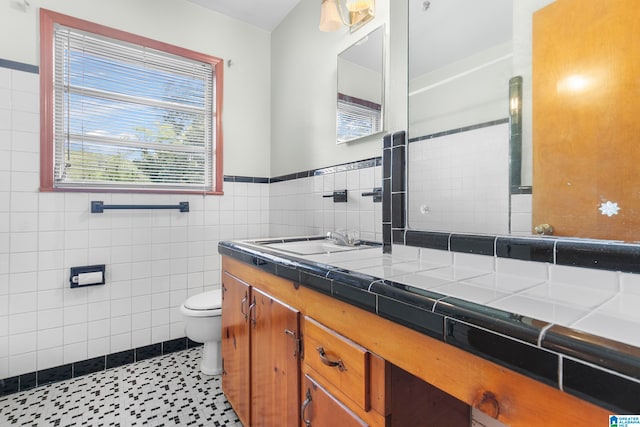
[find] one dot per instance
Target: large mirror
(461, 55)
(360, 98)
(561, 169)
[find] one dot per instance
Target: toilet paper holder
(87, 275)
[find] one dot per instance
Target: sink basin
(313, 247)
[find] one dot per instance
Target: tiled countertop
(556, 329)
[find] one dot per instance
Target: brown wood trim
(218, 149)
(136, 191)
(521, 401)
(359, 101)
(46, 101)
(47, 20)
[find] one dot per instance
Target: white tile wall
(298, 208)
(154, 259)
(521, 214)
(465, 187)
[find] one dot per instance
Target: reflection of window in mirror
(357, 117)
(360, 94)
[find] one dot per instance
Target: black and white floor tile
(164, 391)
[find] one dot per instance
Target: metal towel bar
(99, 206)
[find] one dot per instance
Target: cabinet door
(235, 345)
(275, 375)
(320, 409)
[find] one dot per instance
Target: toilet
(202, 315)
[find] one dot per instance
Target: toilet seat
(204, 304)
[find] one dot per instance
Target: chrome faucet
(342, 237)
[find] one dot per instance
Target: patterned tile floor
(164, 391)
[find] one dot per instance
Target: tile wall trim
(19, 66)
(343, 167)
(595, 254)
(460, 130)
(610, 256)
(83, 367)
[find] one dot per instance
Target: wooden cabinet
(345, 384)
(412, 379)
(347, 372)
(321, 409)
(235, 345)
(260, 351)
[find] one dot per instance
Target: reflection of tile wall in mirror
(460, 182)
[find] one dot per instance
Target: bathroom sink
(313, 247)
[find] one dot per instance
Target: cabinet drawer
(339, 362)
(321, 409)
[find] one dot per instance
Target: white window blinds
(356, 118)
(130, 117)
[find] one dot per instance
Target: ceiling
(440, 33)
(446, 31)
(265, 14)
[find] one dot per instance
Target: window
(357, 117)
(122, 112)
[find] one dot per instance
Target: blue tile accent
(460, 130)
(89, 366)
(28, 381)
(58, 373)
(418, 319)
(148, 351)
(613, 256)
(9, 385)
(19, 66)
(600, 351)
(527, 359)
(510, 324)
(398, 169)
(611, 391)
(315, 282)
(534, 249)
(121, 358)
(472, 244)
(398, 210)
(428, 239)
(354, 296)
(172, 346)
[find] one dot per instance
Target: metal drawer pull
(326, 361)
(306, 403)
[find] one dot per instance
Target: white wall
(303, 92)
(467, 92)
(361, 82)
(246, 82)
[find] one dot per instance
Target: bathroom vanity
(308, 342)
(289, 355)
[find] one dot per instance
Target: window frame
(48, 19)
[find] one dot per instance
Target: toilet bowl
(202, 314)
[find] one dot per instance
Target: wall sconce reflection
(573, 83)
